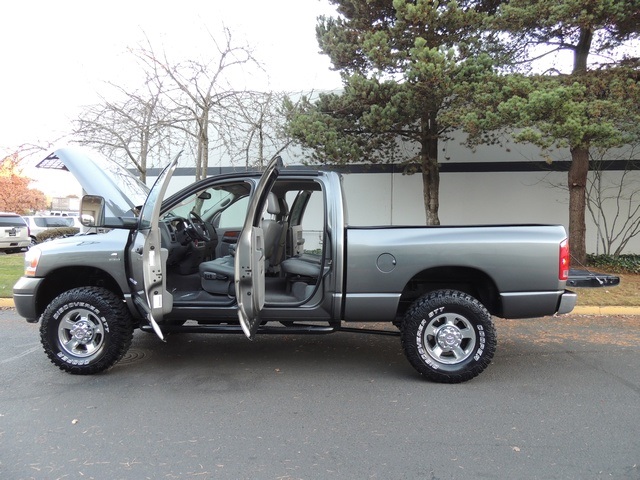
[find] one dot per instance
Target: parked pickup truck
(273, 252)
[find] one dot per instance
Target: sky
(57, 55)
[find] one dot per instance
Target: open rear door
(250, 255)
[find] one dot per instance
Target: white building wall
(468, 198)
(465, 198)
(472, 198)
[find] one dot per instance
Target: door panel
(149, 259)
(250, 254)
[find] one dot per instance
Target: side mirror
(92, 211)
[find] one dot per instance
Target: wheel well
(65, 279)
(469, 280)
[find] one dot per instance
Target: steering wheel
(197, 228)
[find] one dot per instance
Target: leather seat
(217, 276)
(303, 266)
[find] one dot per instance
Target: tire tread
(429, 302)
(120, 329)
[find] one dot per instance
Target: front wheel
(86, 330)
(448, 336)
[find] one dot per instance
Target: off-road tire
(86, 330)
(448, 336)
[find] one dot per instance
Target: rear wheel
(86, 330)
(448, 336)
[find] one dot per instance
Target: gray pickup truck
(273, 252)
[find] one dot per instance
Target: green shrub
(620, 264)
(52, 233)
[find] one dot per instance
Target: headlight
(31, 259)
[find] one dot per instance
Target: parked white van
(40, 223)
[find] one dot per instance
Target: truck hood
(97, 175)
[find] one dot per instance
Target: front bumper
(24, 297)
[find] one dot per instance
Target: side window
(313, 224)
(56, 222)
(306, 221)
(222, 205)
(233, 216)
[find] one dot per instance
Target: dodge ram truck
(273, 252)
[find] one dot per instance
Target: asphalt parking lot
(560, 401)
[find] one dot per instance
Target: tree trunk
(430, 169)
(577, 182)
(202, 154)
(581, 51)
(579, 169)
(431, 187)
(204, 139)
(144, 151)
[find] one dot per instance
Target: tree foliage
(202, 92)
(15, 194)
(193, 104)
(132, 124)
(253, 129)
(401, 62)
(592, 104)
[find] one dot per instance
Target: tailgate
(585, 278)
(12, 232)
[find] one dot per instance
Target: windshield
(214, 202)
(146, 216)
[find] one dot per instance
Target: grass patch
(627, 294)
(11, 268)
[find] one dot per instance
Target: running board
(300, 329)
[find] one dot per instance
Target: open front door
(149, 259)
(250, 255)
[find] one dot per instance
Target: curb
(6, 303)
(585, 310)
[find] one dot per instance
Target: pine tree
(400, 62)
(593, 103)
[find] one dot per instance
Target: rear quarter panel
(518, 259)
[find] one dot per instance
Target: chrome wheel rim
(449, 338)
(81, 333)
